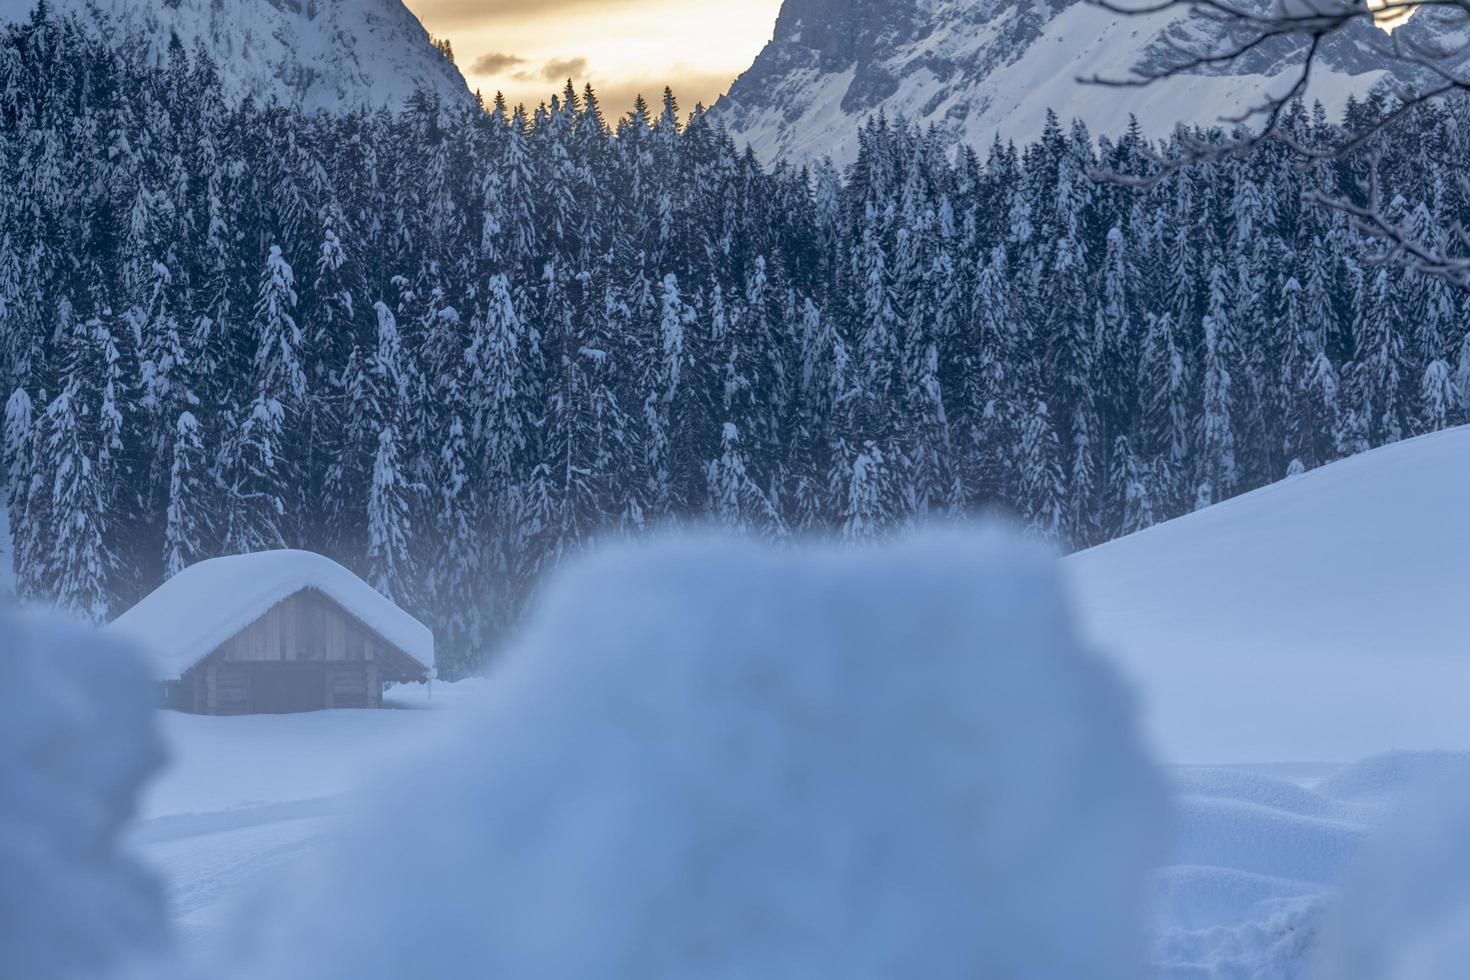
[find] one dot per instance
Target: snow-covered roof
(192, 614)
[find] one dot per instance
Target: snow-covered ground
(242, 797)
(1272, 640)
(1319, 619)
(1256, 853)
(1258, 856)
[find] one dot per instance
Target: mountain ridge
(976, 69)
(326, 55)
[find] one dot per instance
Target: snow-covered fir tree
(450, 346)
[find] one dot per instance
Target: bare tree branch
(1307, 24)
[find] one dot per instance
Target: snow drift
(706, 759)
(1258, 856)
(1321, 619)
(1406, 910)
(76, 744)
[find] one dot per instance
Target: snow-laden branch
(1310, 24)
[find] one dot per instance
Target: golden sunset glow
(528, 49)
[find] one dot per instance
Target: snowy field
(1322, 618)
(1255, 856)
(244, 797)
(1270, 641)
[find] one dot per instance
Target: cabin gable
(306, 653)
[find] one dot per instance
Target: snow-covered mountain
(976, 68)
(1319, 618)
(319, 54)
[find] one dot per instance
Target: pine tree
(189, 514)
(840, 351)
(21, 481)
(1439, 398)
(1217, 470)
(1131, 485)
(866, 491)
(78, 562)
(1042, 492)
(735, 500)
(390, 565)
(461, 593)
(263, 490)
(666, 357)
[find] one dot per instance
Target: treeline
(448, 347)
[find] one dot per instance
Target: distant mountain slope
(1323, 618)
(976, 68)
(319, 54)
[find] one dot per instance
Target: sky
(528, 48)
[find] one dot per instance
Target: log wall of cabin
(305, 626)
(307, 630)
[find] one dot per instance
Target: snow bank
(1406, 910)
(1319, 619)
(705, 759)
(1257, 862)
(76, 743)
(190, 615)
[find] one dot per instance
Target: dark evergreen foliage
(449, 347)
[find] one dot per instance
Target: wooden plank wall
(354, 686)
(304, 628)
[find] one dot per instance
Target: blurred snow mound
(76, 744)
(1405, 913)
(706, 759)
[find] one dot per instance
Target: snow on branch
(1309, 26)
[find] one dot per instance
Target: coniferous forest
(449, 346)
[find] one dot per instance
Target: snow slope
(980, 68)
(1323, 618)
(319, 54)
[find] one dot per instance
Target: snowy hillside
(1321, 618)
(977, 68)
(320, 54)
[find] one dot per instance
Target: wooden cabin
(276, 633)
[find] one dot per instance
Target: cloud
(459, 13)
(560, 69)
(495, 63)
